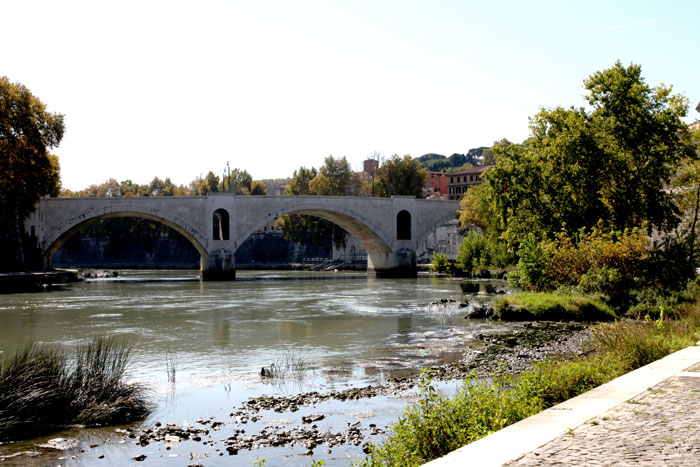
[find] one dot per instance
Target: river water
(345, 329)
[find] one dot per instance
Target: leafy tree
(27, 170)
(608, 165)
(203, 186)
(299, 183)
(334, 178)
(238, 182)
(27, 132)
(258, 188)
(400, 176)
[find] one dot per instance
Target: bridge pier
(401, 263)
(218, 265)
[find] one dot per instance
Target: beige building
(459, 182)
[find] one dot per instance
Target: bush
(41, 388)
(440, 263)
(552, 307)
(474, 254)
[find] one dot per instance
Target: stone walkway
(650, 416)
(659, 427)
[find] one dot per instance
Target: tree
(299, 183)
(608, 166)
(203, 186)
(334, 178)
(27, 170)
(400, 176)
(27, 132)
(258, 188)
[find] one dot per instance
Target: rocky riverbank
(510, 352)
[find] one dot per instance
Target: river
(344, 329)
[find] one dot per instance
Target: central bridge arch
(364, 230)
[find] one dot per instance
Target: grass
(43, 389)
(436, 424)
(530, 306)
(291, 366)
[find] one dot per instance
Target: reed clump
(42, 388)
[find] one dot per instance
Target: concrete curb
(529, 434)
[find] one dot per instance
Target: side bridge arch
(63, 230)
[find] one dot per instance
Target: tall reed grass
(42, 388)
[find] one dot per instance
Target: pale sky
(175, 88)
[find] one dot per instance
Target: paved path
(650, 416)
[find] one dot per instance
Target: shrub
(440, 263)
(474, 254)
(41, 388)
(553, 307)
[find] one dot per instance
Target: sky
(178, 88)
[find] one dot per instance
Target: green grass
(531, 306)
(43, 388)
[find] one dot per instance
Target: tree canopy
(400, 176)
(27, 132)
(608, 165)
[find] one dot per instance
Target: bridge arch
(372, 238)
(61, 233)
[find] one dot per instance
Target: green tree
(607, 165)
(27, 169)
(400, 176)
(258, 188)
(203, 186)
(334, 178)
(299, 183)
(27, 132)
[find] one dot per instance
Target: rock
(59, 444)
(140, 458)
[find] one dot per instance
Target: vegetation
(29, 171)
(400, 176)
(436, 424)
(440, 163)
(574, 206)
(41, 388)
(552, 307)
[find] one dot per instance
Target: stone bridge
(390, 229)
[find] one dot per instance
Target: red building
(436, 185)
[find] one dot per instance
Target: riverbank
(299, 422)
(12, 282)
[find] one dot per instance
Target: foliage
(474, 254)
(400, 176)
(332, 179)
(27, 133)
(552, 307)
(436, 424)
(41, 388)
(440, 263)
(608, 165)
(258, 188)
(237, 181)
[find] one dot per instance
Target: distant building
(459, 182)
(435, 186)
(370, 166)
